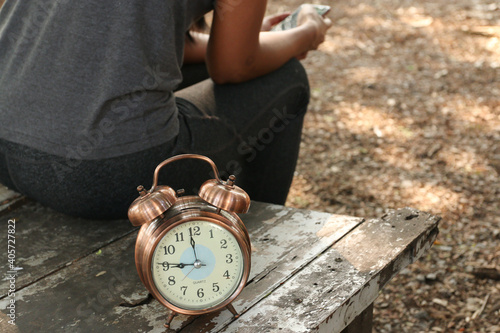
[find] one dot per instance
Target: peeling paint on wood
(74, 299)
(299, 281)
(84, 298)
(298, 238)
(8, 198)
(338, 286)
(323, 285)
(6, 194)
(47, 241)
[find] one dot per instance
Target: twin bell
(154, 203)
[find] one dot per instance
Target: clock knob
(149, 205)
(225, 195)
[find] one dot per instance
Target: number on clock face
(197, 265)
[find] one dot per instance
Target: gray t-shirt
(92, 79)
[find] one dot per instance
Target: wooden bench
(311, 271)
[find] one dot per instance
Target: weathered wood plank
(81, 296)
(8, 198)
(98, 308)
(362, 323)
(46, 241)
(6, 194)
(339, 285)
(384, 248)
(279, 252)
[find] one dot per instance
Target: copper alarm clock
(192, 252)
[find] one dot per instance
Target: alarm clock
(192, 251)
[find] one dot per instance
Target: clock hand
(181, 265)
(193, 246)
(187, 274)
(197, 264)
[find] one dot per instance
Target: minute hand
(193, 244)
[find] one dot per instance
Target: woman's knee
(296, 72)
(298, 83)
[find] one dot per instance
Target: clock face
(197, 265)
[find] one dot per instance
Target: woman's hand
(239, 51)
(270, 21)
(309, 17)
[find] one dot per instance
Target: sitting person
(90, 105)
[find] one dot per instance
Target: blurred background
(405, 111)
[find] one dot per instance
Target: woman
(88, 106)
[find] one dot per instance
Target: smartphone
(291, 20)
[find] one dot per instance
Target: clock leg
(231, 308)
(171, 316)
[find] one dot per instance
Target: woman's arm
(237, 51)
(195, 48)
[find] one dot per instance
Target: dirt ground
(405, 111)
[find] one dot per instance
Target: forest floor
(405, 111)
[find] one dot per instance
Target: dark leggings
(251, 130)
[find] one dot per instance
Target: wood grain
(328, 294)
(90, 294)
(47, 241)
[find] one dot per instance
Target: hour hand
(166, 265)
